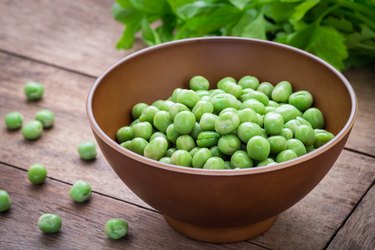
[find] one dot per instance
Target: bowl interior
(154, 73)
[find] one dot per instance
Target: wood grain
(83, 224)
(359, 230)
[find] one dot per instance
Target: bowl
(218, 205)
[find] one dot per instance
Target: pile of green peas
(240, 124)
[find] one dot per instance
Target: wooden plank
(77, 34)
(83, 224)
(359, 230)
(57, 150)
(362, 137)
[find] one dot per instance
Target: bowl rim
(227, 172)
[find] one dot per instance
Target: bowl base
(223, 234)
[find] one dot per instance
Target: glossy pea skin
(187, 97)
(288, 112)
(138, 145)
(302, 121)
(269, 109)
(196, 131)
(282, 91)
(266, 88)
(166, 160)
(227, 123)
(37, 174)
(184, 122)
(33, 91)
(232, 88)
(277, 143)
(202, 107)
(224, 81)
(32, 130)
(249, 82)
(162, 120)
(240, 159)
(193, 151)
(207, 139)
(157, 103)
(286, 133)
(181, 158)
(286, 155)
(157, 134)
(292, 125)
(148, 114)
(228, 144)
(260, 96)
(223, 101)
(255, 105)
(185, 142)
(80, 191)
(126, 144)
(175, 94)
(248, 130)
(176, 108)
(202, 93)
(228, 110)
(172, 133)
(214, 92)
(138, 109)
(258, 148)
(315, 117)
(273, 123)
(247, 115)
(143, 130)
(170, 152)
(266, 162)
(305, 134)
(302, 100)
(215, 151)
(156, 148)
(297, 146)
(116, 228)
(13, 120)
(5, 201)
(49, 223)
(166, 105)
(200, 157)
(207, 122)
(124, 134)
(273, 104)
(214, 163)
(322, 138)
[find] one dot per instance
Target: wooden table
(66, 45)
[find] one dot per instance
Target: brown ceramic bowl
(218, 205)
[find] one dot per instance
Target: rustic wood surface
(65, 44)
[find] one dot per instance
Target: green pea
(214, 92)
(247, 115)
(124, 134)
(260, 120)
(205, 98)
(297, 146)
(202, 107)
(223, 101)
(157, 103)
(257, 95)
(5, 201)
(292, 125)
(254, 104)
(188, 98)
(228, 110)
(166, 160)
(193, 151)
(134, 122)
(166, 105)
(315, 117)
(302, 121)
(201, 157)
(138, 145)
(266, 162)
(273, 123)
(232, 88)
(181, 158)
(170, 152)
(282, 91)
(157, 134)
(273, 104)
(37, 174)
(246, 91)
(156, 148)
(162, 120)
(202, 93)
(258, 148)
(286, 155)
(215, 151)
(288, 112)
(116, 228)
(227, 164)
(227, 123)
(266, 88)
(208, 121)
(214, 163)
(224, 81)
(80, 191)
(286, 133)
(172, 133)
(185, 142)
(228, 144)
(277, 144)
(240, 159)
(32, 130)
(310, 149)
(143, 130)
(148, 114)
(33, 90)
(184, 122)
(322, 138)
(138, 109)
(175, 94)
(196, 130)
(49, 223)
(248, 130)
(177, 108)
(126, 144)
(302, 100)
(305, 134)
(207, 139)
(269, 109)
(87, 150)
(249, 82)
(13, 120)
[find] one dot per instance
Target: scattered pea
(5, 201)
(80, 191)
(33, 91)
(13, 120)
(46, 117)
(116, 228)
(37, 174)
(87, 150)
(49, 223)
(32, 130)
